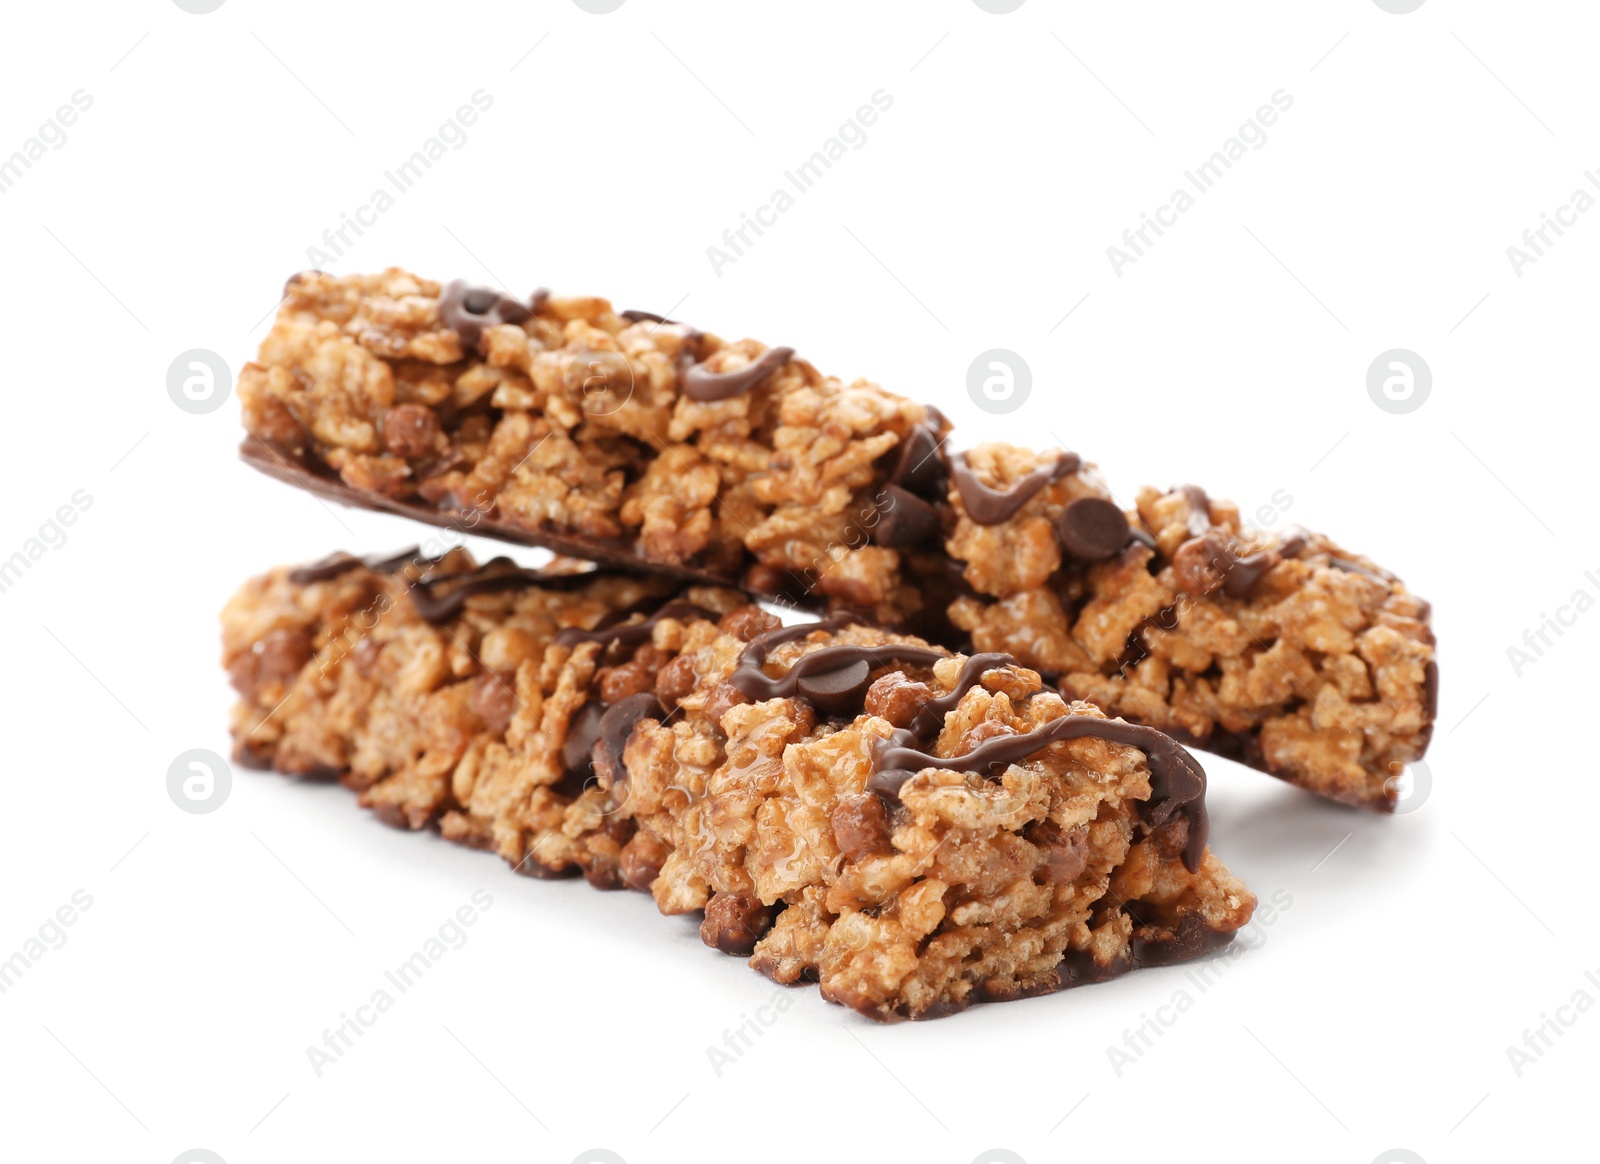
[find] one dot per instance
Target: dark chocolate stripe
(440, 598)
(467, 310)
(339, 562)
(705, 387)
(988, 506)
(645, 317)
(1177, 782)
(1199, 509)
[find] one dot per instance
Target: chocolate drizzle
(1212, 546)
(1177, 782)
(645, 317)
(467, 310)
(835, 679)
(339, 562)
(705, 387)
(631, 634)
(439, 598)
(988, 506)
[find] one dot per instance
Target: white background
(1375, 1013)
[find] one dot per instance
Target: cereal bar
(913, 829)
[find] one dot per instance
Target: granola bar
(1289, 653)
(915, 830)
(646, 444)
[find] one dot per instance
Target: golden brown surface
(755, 813)
(1319, 676)
(575, 421)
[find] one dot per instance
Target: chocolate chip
(904, 520)
(467, 310)
(918, 467)
(1197, 566)
(582, 732)
(1092, 529)
(611, 736)
(838, 689)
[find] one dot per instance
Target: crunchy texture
(566, 423)
(575, 421)
(1322, 672)
(756, 813)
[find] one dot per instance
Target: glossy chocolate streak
(613, 730)
(835, 679)
(340, 562)
(633, 633)
(704, 386)
(467, 310)
(438, 599)
(988, 506)
(645, 317)
(1199, 509)
(1242, 574)
(1177, 782)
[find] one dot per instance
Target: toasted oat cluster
(916, 830)
(1290, 654)
(644, 443)
(637, 435)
